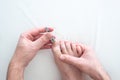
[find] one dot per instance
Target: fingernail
(52, 40)
(47, 29)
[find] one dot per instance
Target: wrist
(16, 65)
(72, 76)
(103, 74)
(15, 72)
(100, 74)
(67, 76)
(17, 62)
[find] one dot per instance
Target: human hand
(68, 72)
(87, 63)
(29, 44)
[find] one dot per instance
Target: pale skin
(68, 72)
(28, 45)
(72, 59)
(86, 62)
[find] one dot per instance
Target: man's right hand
(87, 63)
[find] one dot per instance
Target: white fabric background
(93, 22)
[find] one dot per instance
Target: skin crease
(68, 72)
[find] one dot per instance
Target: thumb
(75, 61)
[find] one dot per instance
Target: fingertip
(66, 42)
(50, 29)
(56, 43)
(79, 51)
(50, 35)
(52, 39)
(45, 29)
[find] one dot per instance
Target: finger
(38, 36)
(82, 46)
(68, 47)
(63, 47)
(34, 32)
(52, 40)
(79, 51)
(56, 49)
(40, 42)
(48, 43)
(73, 46)
(77, 62)
(47, 47)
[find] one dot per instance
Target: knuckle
(66, 58)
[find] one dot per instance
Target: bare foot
(68, 72)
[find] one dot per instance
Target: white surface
(93, 22)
